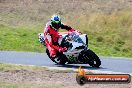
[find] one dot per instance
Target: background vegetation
(108, 24)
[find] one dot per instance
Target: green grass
(11, 85)
(109, 34)
(12, 67)
(5, 67)
(21, 85)
(20, 39)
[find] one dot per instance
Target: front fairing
(75, 45)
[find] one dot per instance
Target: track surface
(41, 59)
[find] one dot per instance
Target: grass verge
(109, 34)
(5, 67)
(21, 85)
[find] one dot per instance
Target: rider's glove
(63, 49)
(77, 32)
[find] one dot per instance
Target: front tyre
(93, 58)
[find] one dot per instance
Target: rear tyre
(60, 59)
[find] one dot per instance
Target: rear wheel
(59, 59)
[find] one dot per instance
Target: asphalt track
(110, 64)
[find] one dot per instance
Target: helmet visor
(56, 24)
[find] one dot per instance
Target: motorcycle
(77, 49)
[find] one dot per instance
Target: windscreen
(75, 37)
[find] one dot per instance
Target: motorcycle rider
(51, 35)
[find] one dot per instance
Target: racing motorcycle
(77, 49)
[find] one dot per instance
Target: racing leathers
(51, 38)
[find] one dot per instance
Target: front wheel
(94, 60)
(89, 57)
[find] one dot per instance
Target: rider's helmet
(56, 22)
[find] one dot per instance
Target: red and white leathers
(51, 38)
